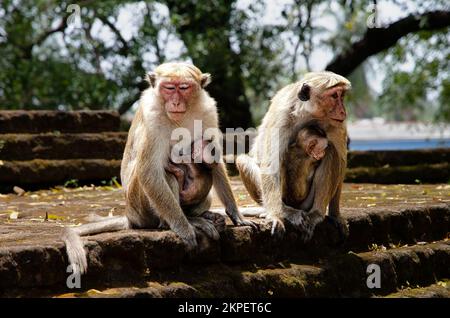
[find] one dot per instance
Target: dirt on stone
(43, 213)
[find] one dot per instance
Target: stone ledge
(441, 290)
(39, 121)
(424, 173)
(39, 173)
(130, 255)
(380, 158)
(22, 147)
(337, 276)
(44, 172)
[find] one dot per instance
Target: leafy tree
(50, 63)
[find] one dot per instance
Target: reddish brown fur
(287, 111)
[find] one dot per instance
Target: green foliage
(72, 183)
(72, 68)
(420, 91)
(46, 64)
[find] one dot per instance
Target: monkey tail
(75, 246)
(75, 251)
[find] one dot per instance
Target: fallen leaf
(54, 217)
(68, 295)
(443, 284)
(116, 183)
(19, 191)
(368, 198)
(13, 215)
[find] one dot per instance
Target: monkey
(175, 99)
(194, 177)
(306, 148)
(320, 96)
(195, 180)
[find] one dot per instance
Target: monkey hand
(243, 222)
(341, 225)
(217, 219)
(206, 226)
(238, 220)
(277, 229)
(189, 237)
(294, 216)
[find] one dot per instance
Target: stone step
(22, 147)
(40, 121)
(380, 158)
(438, 290)
(424, 173)
(129, 256)
(46, 172)
(338, 276)
(41, 173)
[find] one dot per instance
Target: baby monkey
(194, 176)
(195, 180)
(307, 147)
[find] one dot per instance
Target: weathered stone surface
(337, 276)
(128, 255)
(41, 173)
(45, 172)
(424, 173)
(22, 147)
(381, 158)
(439, 290)
(34, 122)
(245, 261)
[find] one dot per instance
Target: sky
(386, 10)
(131, 16)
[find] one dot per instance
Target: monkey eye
(335, 95)
(169, 87)
(184, 86)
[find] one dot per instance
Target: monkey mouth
(338, 120)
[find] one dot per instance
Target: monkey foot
(311, 219)
(341, 225)
(295, 216)
(277, 228)
(205, 226)
(217, 219)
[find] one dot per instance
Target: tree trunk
(376, 40)
(206, 36)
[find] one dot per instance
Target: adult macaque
(175, 99)
(320, 96)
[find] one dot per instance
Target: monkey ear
(305, 93)
(310, 146)
(205, 80)
(151, 78)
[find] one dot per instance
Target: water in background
(399, 144)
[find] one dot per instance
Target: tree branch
(126, 104)
(125, 49)
(376, 40)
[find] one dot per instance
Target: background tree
(251, 48)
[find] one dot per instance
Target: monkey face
(333, 103)
(329, 104)
(177, 94)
